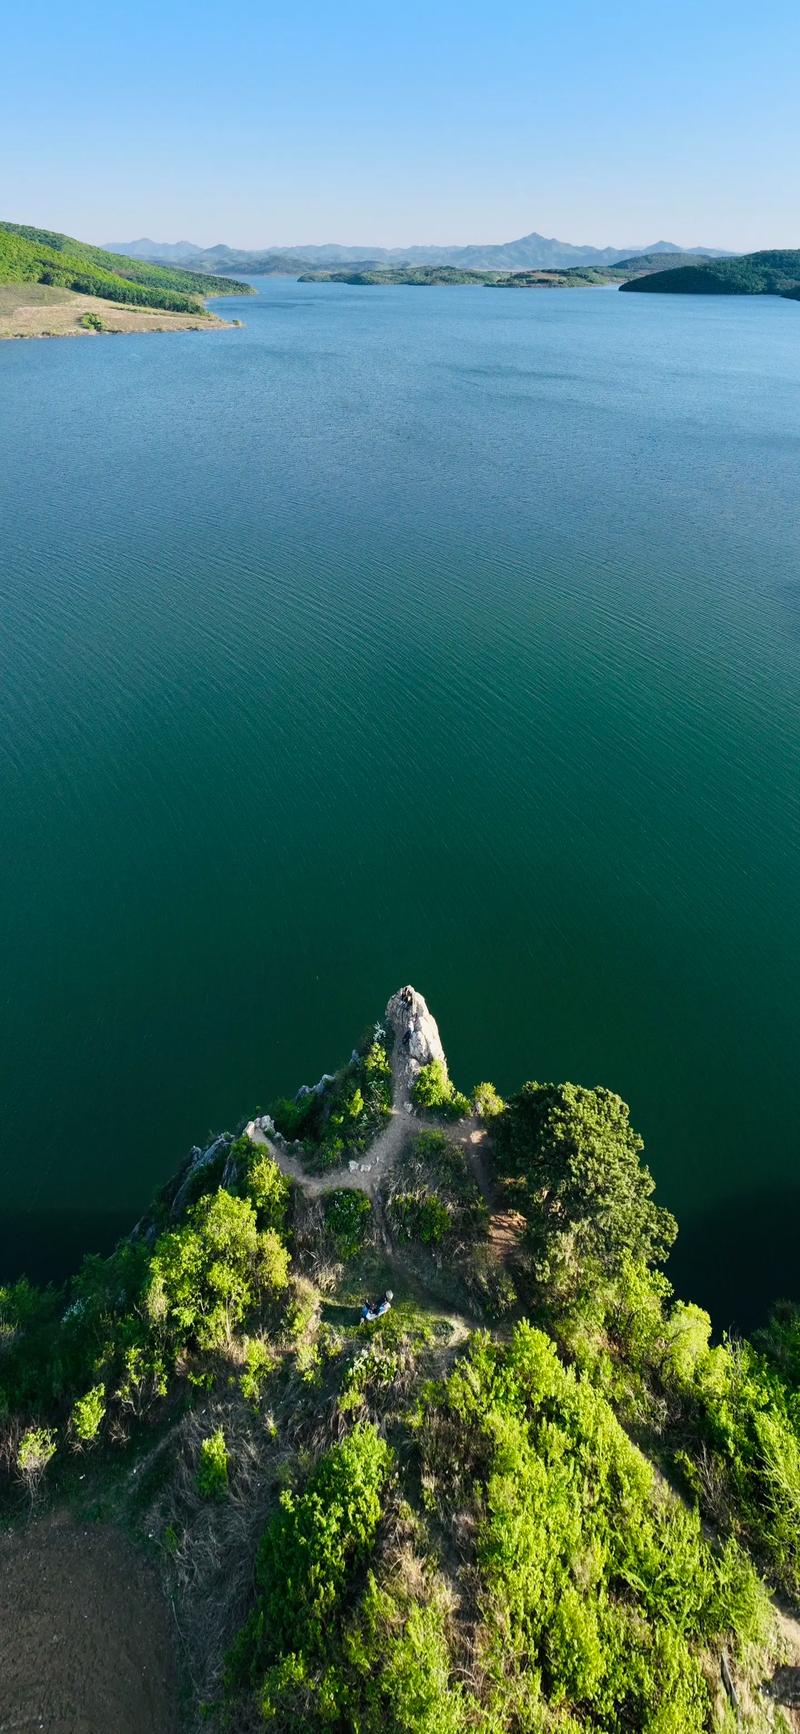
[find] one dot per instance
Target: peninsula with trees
(53, 285)
(527, 1488)
(774, 272)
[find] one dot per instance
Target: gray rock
(200, 1159)
(416, 1034)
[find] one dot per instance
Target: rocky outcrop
(416, 1036)
(198, 1161)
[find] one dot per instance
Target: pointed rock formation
(416, 1035)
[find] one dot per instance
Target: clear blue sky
(366, 121)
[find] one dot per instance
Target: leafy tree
(206, 1275)
(587, 1194)
(266, 1187)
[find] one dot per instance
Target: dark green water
(450, 637)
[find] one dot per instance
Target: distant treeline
(428, 276)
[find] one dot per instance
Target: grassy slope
(768, 273)
(41, 256)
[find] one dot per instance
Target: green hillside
(655, 261)
(434, 276)
(768, 273)
(42, 256)
(532, 1496)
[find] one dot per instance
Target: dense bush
(87, 1415)
(434, 1091)
(311, 1549)
(335, 1122)
(421, 1216)
(587, 1195)
(347, 1213)
(398, 1668)
(486, 1101)
(206, 1275)
(729, 1413)
(598, 1590)
(110, 1343)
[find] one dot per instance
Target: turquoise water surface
(449, 636)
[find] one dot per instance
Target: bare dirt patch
(38, 310)
(85, 1634)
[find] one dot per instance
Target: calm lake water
(443, 636)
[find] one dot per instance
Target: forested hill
(522, 1491)
(42, 256)
(770, 273)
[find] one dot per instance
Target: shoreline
(35, 310)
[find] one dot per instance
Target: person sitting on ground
(375, 1310)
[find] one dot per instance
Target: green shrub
(347, 1213)
(486, 1102)
(310, 1550)
(36, 1449)
(266, 1187)
(301, 1309)
(260, 1360)
(779, 1342)
(434, 1091)
(376, 1079)
(87, 1415)
(92, 322)
(422, 1217)
(297, 1118)
(212, 1468)
(399, 1665)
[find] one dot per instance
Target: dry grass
(38, 310)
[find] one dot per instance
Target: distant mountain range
(530, 252)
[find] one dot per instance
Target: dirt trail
(506, 1226)
(416, 1039)
(370, 1171)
